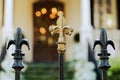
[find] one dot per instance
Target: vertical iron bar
(17, 74)
(61, 66)
(104, 74)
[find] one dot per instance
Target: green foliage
(46, 71)
(50, 71)
(114, 71)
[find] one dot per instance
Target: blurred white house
(86, 17)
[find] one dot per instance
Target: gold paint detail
(62, 30)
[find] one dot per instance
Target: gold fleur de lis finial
(62, 30)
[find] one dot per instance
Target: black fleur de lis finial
(104, 42)
(18, 41)
(18, 56)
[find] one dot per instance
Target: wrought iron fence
(61, 29)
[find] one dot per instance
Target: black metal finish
(61, 64)
(104, 55)
(18, 56)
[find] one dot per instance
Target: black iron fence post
(104, 55)
(62, 30)
(18, 56)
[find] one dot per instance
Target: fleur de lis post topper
(104, 55)
(18, 56)
(61, 29)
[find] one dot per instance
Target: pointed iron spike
(109, 42)
(97, 42)
(24, 41)
(103, 35)
(61, 20)
(18, 34)
(10, 43)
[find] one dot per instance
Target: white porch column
(8, 19)
(86, 27)
(7, 33)
(85, 12)
(82, 70)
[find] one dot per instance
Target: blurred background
(34, 17)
